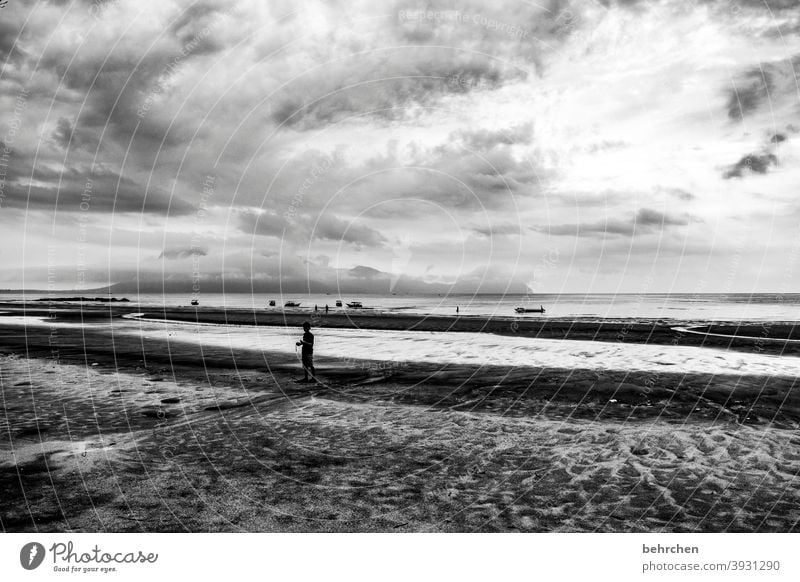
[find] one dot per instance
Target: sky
(551, 146)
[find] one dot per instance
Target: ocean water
(673, 306)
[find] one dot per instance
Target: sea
(708, 307)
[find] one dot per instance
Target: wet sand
(113, 433)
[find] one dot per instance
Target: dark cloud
(63, 132)
(364, 272)
(123, 85)
(650, 217)
(645, 221)
(80, 189)
(183, 253)
(751, 164)
(262, 224)
(302, 228)
(770, 84)
(9, 38)
(334, 228)
(748, 93)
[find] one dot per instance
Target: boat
(291, 304)
(195, 302)
(272, 303)
(529, 310)
(355, 305)
(338, 303)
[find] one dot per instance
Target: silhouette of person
(456, 309)
(326, 308)
(307, 352)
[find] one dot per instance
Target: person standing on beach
(307, 353)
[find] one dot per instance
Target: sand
(106, 432)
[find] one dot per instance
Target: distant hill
(359, 279)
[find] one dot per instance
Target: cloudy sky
(586, 146)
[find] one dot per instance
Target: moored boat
(291, 304)
(355, 305)
(540, 309)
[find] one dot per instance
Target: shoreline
(761, 337)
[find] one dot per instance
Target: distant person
(456, 309)
(326, 308)
(307, 352)
(315, 308)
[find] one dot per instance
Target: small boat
(272, 303)
(338, 303)
(291, 304)
(355, 305)
(195, 302)
(529, 310)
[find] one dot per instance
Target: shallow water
(454, 348)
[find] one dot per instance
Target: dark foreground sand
(107, 434)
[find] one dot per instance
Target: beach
(118, 418)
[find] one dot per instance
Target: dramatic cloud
(83, 189)
(437, 147)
